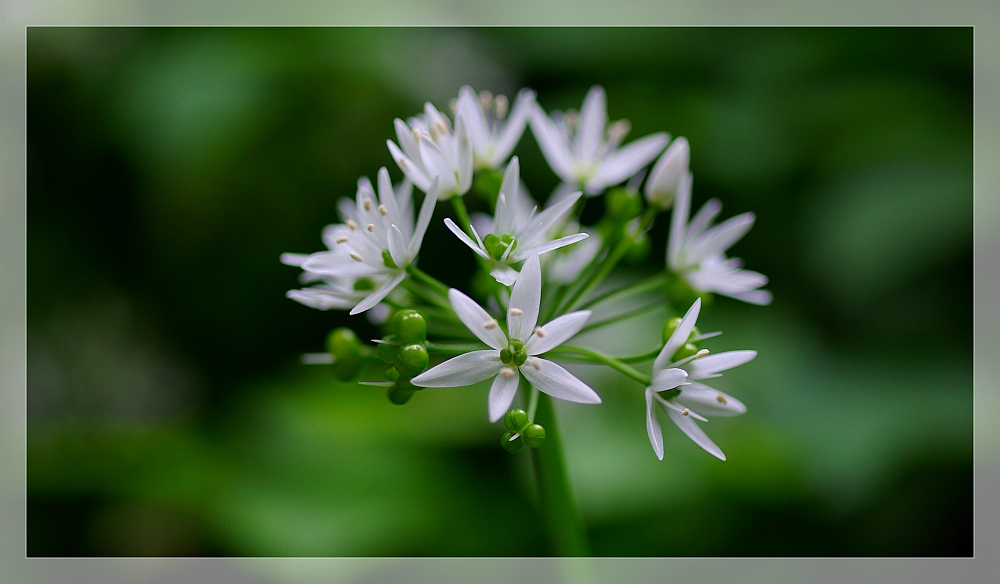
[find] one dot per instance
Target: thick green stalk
(427, 280)
(563, 522)
(458, 204)
(599, 357)
(651, 283)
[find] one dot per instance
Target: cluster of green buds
(521, 432)
(347, 352)
(622, 206)
(405, 349)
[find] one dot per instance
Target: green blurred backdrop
(167, 411)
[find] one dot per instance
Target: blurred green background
(168, 413)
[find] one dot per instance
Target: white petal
(378, 295)
(460, 371)
(405, 136)
(397, 247)
(503, 220)
(718, 239)
(703, 218)
(709, 401)
(410, 169)
(465, 238)
(525, 297)
(668, 379)
(464, 162)
(627, 161)
(561, 242)
(653, 425)
(678, 225)
(593, 119)
(504, 274)
(438, 166)
(320, 299)
(516, 122)
(553, 143)
(294, 259)
(552, 379)
(502, 394)
(475, 118)
(711, 364)
(477, 320)
(690, 427)
(556, 332)
(546, 219)
(758, 297)
(387, 197)
(680, 336)
(426, 212)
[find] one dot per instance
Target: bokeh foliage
(167, 412)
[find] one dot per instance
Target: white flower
(493, 134)
(683, 394)
(375, 244)
(431, 150)
(695, 251)
(514, 351)
(587, 158)
(669, 175)
(515, 237)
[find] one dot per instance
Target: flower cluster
(544, 265)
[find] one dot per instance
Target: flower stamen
(382, 210)
(507, 372)
(368, 204)
(342, 239)
(540, 332)
(356, 257)
(352, 225)
(516, 312)
(490, 324)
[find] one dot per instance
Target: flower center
(514, 353)
(498, 246)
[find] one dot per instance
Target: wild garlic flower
(582, 154)
(513, 238)
(670, 174)
(375, 244)
(675, 373)
(494, 135)
(514, 351)
(340, 292)
(432, 150)
(696, 251)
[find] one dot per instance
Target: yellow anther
(416, 136)
(402, 164)
(516, 312)
(721, 399)
(686, 412)
(501, 106)
(490, 324)
(356, 257)
(536, 363)
(382, 210)
(368, 204)
(701, 354)
(486, 99)
(352, 225)
(370, 227)
(539, 331)
(341, 239)
(507, 372)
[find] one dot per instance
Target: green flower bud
(670, 393)
(411, 360)
(533, 435)
(638, 251)
(511, 446)
(345, 348)
(497, 245)
(401, 393)
(669, 327)
(364, 285)
(681, 295)
(487, 184)
(506, 356)
(623, 204)
(409, 326)
(515, 420)
(387, 350)
(520, 357)
(684, 352)
(391, 374)
(515, 345)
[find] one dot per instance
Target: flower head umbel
(492, 132)
(515, 238)
(514, 351)
(432, 150)
(374, 245)
(675, 387)
(696, 251)
(582, 155)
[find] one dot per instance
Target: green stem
(563, 521)
(428, 295)
(649, 356)
(651, 283)
(451, 349)
(599, 357)
(533, 403)
(427, 280)
(458, 203)
(608, 263)
(621, 317)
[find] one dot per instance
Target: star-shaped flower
(431, 150)
(514, 351)
(492, 132)
(675, 386)
(696, 251)
(375, 244)
(582, 155)
(514, 238)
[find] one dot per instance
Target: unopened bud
(670, 174)
(516, 420)
(511, 444)
(533, 435)
(345, 348)
(410, 326)
(411, 360)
